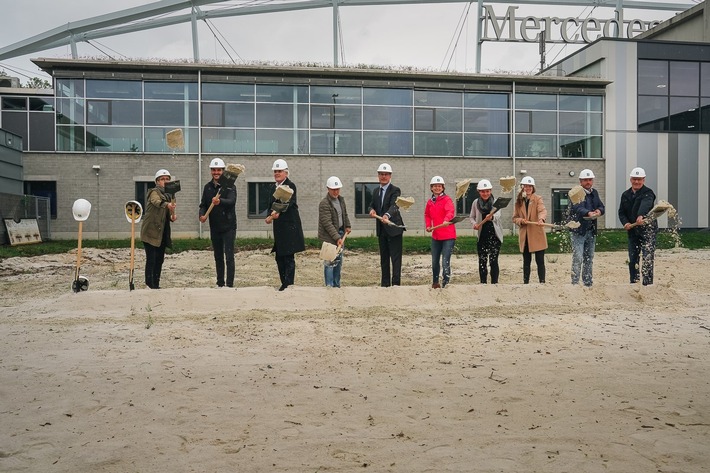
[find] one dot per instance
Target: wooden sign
(24, 232)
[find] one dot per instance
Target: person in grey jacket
(584, 237)
(333, 225)
(155, 229)
(490, 232)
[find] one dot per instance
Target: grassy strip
(608, 240)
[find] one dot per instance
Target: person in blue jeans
(438, 213)
(333, 225)
(636, 202)
(584, 237)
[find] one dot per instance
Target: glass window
(705, 79)
(70, 138)
(560, 204)
(70, 88)
(438, 144)
(155, 140)
(282, 93)
(485, 100)
(170, 113)
(336, 142)
(481, 144)
(114, 139)
(281, 141)
(685, 78)
(273, 115)
(39, 104)
(171, 90)
(114, 112)
(14, 103)
(653, 77)
(41, 132)
(653, 113)
(224, 140)
(580, 123)
(46, 189)
(491, 121)
(535, 102)
(228, 114)
(70, 111)
(383, 143)
(374, 96)
(16, 122)
(113, 89)
(258, 196)
(437, 119)
(228, 92)
(463, 205)
(435, 98)
(336, 116)
(538, 146)
(336, 95)
(580, 146)
(535, 122)
(363, 197)
(705, 114)
(685, 114)
(387, 118)
(581, 103)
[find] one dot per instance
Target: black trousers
(539, 262)
(223, 248)
(642, 248)
(488, 250)
(154, 257)
(390, 259)
(287, 268)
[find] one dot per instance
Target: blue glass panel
(535, 102)
(480, 144)
(228, 92)
(281, 93)
(171, 90)
(387, 118)
(113, 89)
(223, 140)
(336, 142)
(438, 144)
(495, 121)
(581, 103)
(336, 95)
(170, 113)
(281, 115)
(282, 141)
(536, 146)
(437, 98)
(485, 100)
(113, 139)
(382, 143)
(372, 96)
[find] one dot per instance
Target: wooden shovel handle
(207, 214)
(551, 225)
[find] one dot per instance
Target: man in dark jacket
(636, 202)
(288, 231)
(223, 221)
(389, 236)
(584, 237)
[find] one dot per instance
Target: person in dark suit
(389, 237)
(288, 231)
(636, 202)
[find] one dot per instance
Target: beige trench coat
(535, 234)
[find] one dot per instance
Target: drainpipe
(199, 141)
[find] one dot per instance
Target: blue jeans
(441, 250)
(582, 257)
(331, 271)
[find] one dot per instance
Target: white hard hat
(384, 167)
(81, 209)
(436, 180)
(638, 172)
(162, 172)
(216, 163)
(333, 183)
(527, 181)
(279, 165)
(484, 184)
(134, 211)
(586, 174)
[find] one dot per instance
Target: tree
(37, 83)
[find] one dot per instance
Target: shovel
(172, 187)
(453, 221)
(282, 194)
(389, 222)
(134, 212)
(81, 210)
(567, 226)
(226, 180)
(330, 252)
(656, 212)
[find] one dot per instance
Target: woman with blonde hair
(529, 214)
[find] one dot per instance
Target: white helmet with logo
(384, 167)
(81, 209)
(527, 181)
(161, 173)
(586, 174)
(279, 165)
(217, 163)
(484, 184)
(638, 172)
(436, 180)
(333, 183)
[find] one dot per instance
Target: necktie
(382, 197)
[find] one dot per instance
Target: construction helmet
(586, 174)
(638, 172)
(217, 163)
(527, 181)
(384, 167)
(279, 165)
(436, 180)
(483, 185)
(81, 209)
(134, 211)
(333, 183)
(162, 172)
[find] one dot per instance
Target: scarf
(485, 206)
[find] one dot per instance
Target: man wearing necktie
(389, 236)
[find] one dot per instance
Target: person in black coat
(288, 232)
(636, 202)
(389, 237)
(223, 222)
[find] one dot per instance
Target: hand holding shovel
(453, 221)
(172, 187)
(656, 212)
(226, 180)
(282, 194)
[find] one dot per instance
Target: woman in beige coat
(529, 213)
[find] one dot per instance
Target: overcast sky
(421, 36)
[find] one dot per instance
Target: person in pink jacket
(438, 213)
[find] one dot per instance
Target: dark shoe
(283, 286)
(443, 284)
(436, 286)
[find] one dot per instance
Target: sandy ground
(506, 378)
